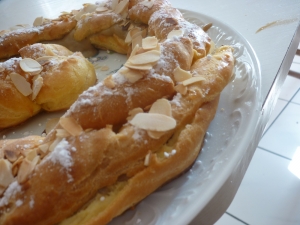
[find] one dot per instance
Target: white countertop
(274, 46)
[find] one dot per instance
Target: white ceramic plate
(226, 141)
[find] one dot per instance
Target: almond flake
(155, 134)
(38, 21)
(54, 143)
(70, 125)
(51, 123)
(26, 169)
(114, 4)
(121, 6)
(147, 3)
(36, 87)
(31, 154)
(149, 43)
(175, 33)
(192, 80)
(21, 83)
(180, 88)
(6, 176)
(133, 112)
(145, 58)
(30, 66)
(131, 75)
(147, 158)
(161, 106)
(11, 155)
(139, 67)
(109, 82)
(44, 59)
(137, 41)
(135, 50)
(16, 165)
(153, 122)
(44, 147)
(101, 9)
(62, 133)
(181, 75)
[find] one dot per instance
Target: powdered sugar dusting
(11, 191)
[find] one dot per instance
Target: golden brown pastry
(121, 138)
(48, 77)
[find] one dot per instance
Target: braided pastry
(46, 76)
(129, 134)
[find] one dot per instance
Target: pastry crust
(63, 76)
(126, 136)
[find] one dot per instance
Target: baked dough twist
(126, 136)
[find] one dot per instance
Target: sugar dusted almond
(21, 83)
(25, 170)
(36, 87)
(62, 133)
(193, 80)
(38, 21)
(180, 88)
(175, 33)
(131, 75)
(30, 66)
(161, 106)
(153, 122)
(54, 143)
(149, 43)
(51, 123)
(121, 6)
(70, 125)
(144, 58)
(181, 75)
(133, 112)
(6, 176)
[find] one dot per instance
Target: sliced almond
(181, 75)
(139, 67)
(133, 112)
(144, 58)
(16, 165)
(155, 134)
(44, 147)
(26, 169)
(21, 83)
(70, 125)
(12, 155)
(193, 80)
(114, 4)
(147, 158)
(153, 122)
(149, 43)
(51, 123)
(121, 6)
(180, 88)
(175, 33)
(161, 106)
(38, 21)
(54, 143)
(131, 75)
(101, 9)
(109, 82)
(6, 176)
(36, 87)
(44, 59)
(31, 154)
(62, 133)
(147, 3)
(30, 66)
(137, 41)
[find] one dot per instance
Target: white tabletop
(274, 46)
